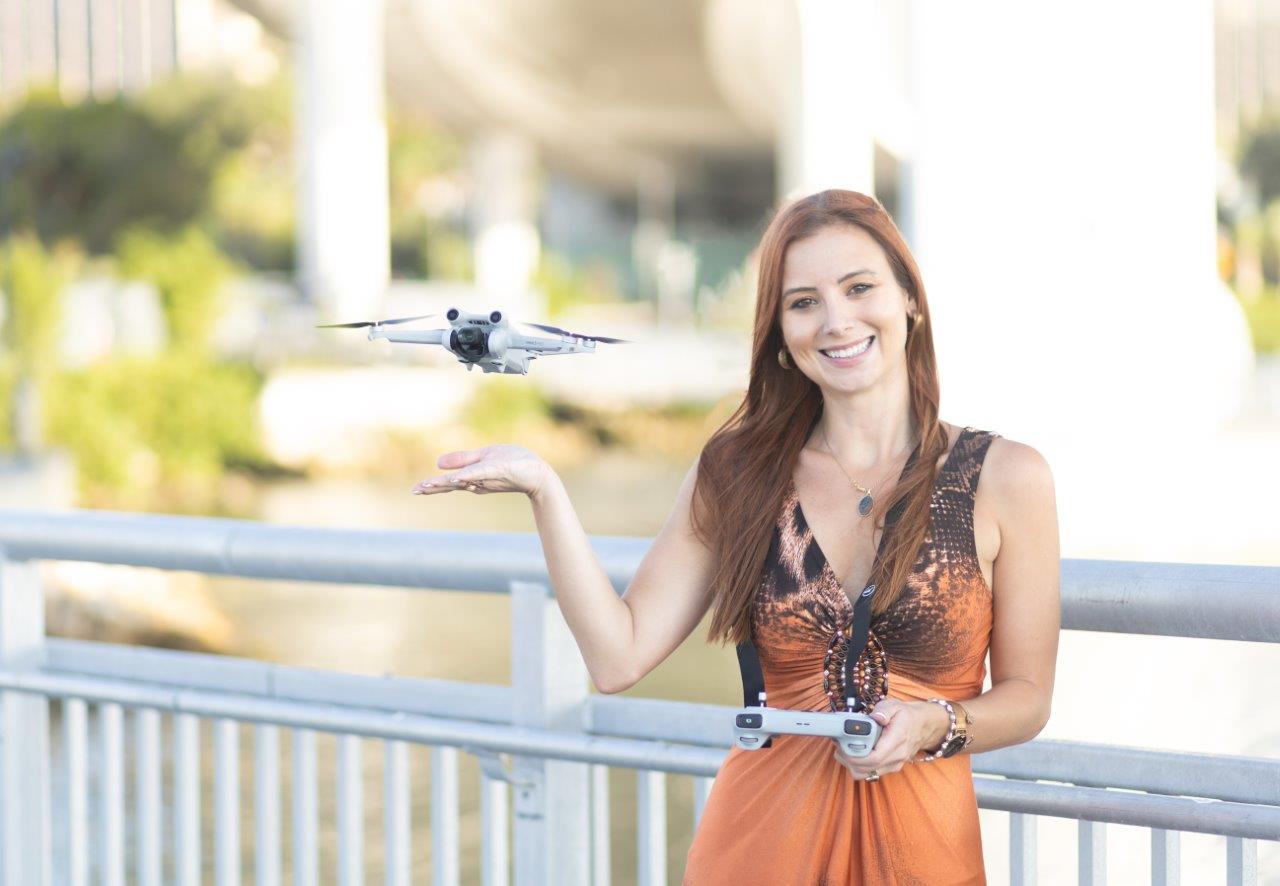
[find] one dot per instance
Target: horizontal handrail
(1221, 777)
(482, 702)
(1175, 773)
(1170, 599)
(1119, 807)
(464, 561)
(1145, 810)
(373, 723)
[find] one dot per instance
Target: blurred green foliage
(424, 200)
(173, 422)
(1263, 314)
(188, 270)
(500, 408)
(566, 285)
(32, 279)
(212, 152)
(86, 171)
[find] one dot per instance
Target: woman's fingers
(495, 468)
(459, 458)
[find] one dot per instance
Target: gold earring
(782, 358)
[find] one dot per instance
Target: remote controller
(856, 734)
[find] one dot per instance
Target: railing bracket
(498, 766)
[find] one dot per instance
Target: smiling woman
(950, 532)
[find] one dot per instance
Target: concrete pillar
(343, 221)
(74, 74)
(1063, 194)
(825, 131)
(135, 42)
(105, 60)
(13, 55)
(162, 37)
(42, 60)
(505, 242)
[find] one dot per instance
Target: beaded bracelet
(946, 739)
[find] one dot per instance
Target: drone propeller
(558, 331)
(373, 322)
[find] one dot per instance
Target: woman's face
(843, 315)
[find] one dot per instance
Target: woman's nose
(839, 317)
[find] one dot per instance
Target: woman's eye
(801, 302)
(859, 288)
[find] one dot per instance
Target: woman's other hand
(906, 729)
(502, 467)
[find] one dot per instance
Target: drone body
(485, 340)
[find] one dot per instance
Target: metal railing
(544, 761)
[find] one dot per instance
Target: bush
(135, 425)
(188, 270)
(31, 280)
(1263, 314)
(500, 407)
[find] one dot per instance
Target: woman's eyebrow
(838, 282)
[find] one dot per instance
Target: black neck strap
(753, 692)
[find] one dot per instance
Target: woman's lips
(849, 361)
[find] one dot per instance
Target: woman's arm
(1028, 609)
(1024, 636)
(621, 638)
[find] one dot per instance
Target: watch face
(953, 746)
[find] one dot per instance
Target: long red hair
(746, 465)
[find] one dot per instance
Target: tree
(90, 170)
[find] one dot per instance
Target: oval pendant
(864, 506)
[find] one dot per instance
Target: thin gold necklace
(866, 503)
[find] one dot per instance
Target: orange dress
(791, 815)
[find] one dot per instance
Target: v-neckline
(827, 568)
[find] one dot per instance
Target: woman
(841, 414)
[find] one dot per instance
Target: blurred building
(1247, 63)
(104, 47)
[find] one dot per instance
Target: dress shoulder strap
(965, 465)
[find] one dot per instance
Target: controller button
(857, 727)
(750, 721)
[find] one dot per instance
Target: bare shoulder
(1016, 482)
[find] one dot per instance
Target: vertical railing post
(25, 826)
(552, 810)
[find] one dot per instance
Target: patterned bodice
(934, 638)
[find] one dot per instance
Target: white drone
(484, 340)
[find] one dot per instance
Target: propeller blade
(363, 323)
(558, 331)
(406, 319)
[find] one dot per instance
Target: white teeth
(850, 352)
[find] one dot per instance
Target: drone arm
(536, 344)
(411, 336)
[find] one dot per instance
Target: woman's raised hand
(502, 467)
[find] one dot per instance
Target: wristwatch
(959, 738)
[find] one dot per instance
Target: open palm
(502, 467)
